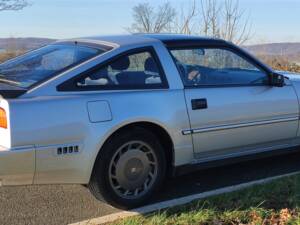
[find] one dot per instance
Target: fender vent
(66, 150)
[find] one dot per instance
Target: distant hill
(275, 49)
(23, 43)
(271, 49)
(290, 51)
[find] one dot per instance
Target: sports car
(121, 114)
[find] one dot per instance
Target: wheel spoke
(117, 157)
(114, 164)
(138, 152)
(113, 176)
(136, 192)
(139, 146)
(117, 186)
(145, 185)
(152, 163)
(129, 147)
(151, 174)
(150, 156)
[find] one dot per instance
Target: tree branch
(12, 5)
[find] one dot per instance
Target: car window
(215, 66)
(44, 63)
(132, 70)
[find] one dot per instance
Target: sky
(272, 20)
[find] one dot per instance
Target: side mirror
(277, 80)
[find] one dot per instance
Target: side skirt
(192, 167)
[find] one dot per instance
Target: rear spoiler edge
(8, 94)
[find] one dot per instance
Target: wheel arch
(160, 132)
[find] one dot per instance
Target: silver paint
(239, 120)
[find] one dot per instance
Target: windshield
(44, 63)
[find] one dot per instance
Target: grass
(277, 202)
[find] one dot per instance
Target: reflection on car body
(120, 113)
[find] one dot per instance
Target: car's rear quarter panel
(51, 122)
(17, 163)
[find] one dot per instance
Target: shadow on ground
(63, 204)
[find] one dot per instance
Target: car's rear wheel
(129, 169)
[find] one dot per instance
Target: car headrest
(150, 65)
(103, 73)
(131, 78)
(121, 64)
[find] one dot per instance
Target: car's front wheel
(130, 167)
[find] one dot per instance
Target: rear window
(44, 63)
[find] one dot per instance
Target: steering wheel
(197, 78)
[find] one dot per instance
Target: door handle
(200, 103)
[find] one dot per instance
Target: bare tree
(235, 27)
(225, 20)
(210, 18)
(13, 4)
(148, 19)
(185, 21)
(222, 19)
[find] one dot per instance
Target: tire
(130, 167)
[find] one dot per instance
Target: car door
(232, 107)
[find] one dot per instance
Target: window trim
(229, 47)
(70, 85)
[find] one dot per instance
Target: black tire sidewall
(100, 177)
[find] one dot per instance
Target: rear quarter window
(139, 69)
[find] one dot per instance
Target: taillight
(3, 118)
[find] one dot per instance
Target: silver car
(121, 113)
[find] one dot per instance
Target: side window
(216, 66)
(135, 70)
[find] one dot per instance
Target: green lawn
(277, 202)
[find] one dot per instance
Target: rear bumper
(17, 165)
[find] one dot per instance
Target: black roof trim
(11, 93)
(85, 44)
(194, 42)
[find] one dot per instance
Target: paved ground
(63, 204)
